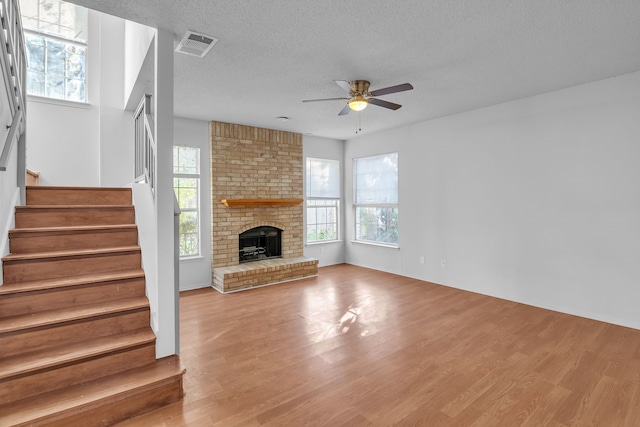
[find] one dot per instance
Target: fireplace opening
(260, 243)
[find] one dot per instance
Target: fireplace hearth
(260, 243)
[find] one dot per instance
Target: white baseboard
(193, 287)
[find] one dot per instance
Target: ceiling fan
(360, 97)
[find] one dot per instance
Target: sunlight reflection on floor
(361, 312)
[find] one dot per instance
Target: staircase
(76, 346)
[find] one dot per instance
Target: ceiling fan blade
(391, 89)
(345, 110)
(344, 85)
(322, 99)
(385, 104)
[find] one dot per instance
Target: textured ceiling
(458, 54)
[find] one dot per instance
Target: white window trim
(338, 228)
(85, 45)
(356, 205)
(198, 209)
(58, 101)
(322, 242)
(56, 37)
(370, 243)
(373, 242)
(337, 199)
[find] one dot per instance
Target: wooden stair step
(45, 195)
(23, 364)
(69, 216)
(45, 295)
(74, 253)
(52, 318)
(70, 229)
(68, 282)
(55, 370)
(23, 387)
(41, 265)
(69, 333)
(103, 401)
(40, 239)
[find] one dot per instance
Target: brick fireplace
(258, 174)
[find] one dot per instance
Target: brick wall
(254, 163)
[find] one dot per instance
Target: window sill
(191, 258)
(384, 245)
(324, 242)
(59, 102)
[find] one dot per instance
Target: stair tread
(71, 229)
(63, 282)
(72, 207)
(121, 385)
(26, 363)
(52, 317)
(69, 253)
(62, 187)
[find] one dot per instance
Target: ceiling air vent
(196, 44)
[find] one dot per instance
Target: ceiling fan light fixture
(358, 103)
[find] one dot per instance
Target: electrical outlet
(421, 259)
(443, 263)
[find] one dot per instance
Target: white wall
(148, 240)
(62, 143)
(63, 137)
(196, 272)
(116, 125)
(138, 62)
(73, 144)
(168, 341)
(323, 148)
(9, 198)
(535, 200)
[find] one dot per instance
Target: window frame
(374, 204)
(336, 208)
(198, 177)
(66, 41)
(314, 199)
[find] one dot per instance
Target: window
(56, 42)
(323, 199)
(375, 181)
(186, 184)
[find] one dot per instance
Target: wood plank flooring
(358, 347)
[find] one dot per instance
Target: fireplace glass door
(260, 243)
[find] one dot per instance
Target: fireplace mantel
(260, 202)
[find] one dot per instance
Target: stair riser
(42, 242)
(78, 196)
(74, 332)
(33, 302)
(13, 390)
(26, 218)
(17, 271)
(120, 408)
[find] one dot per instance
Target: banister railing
(14, 68)
(145, 145)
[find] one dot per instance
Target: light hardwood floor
(358, 347)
